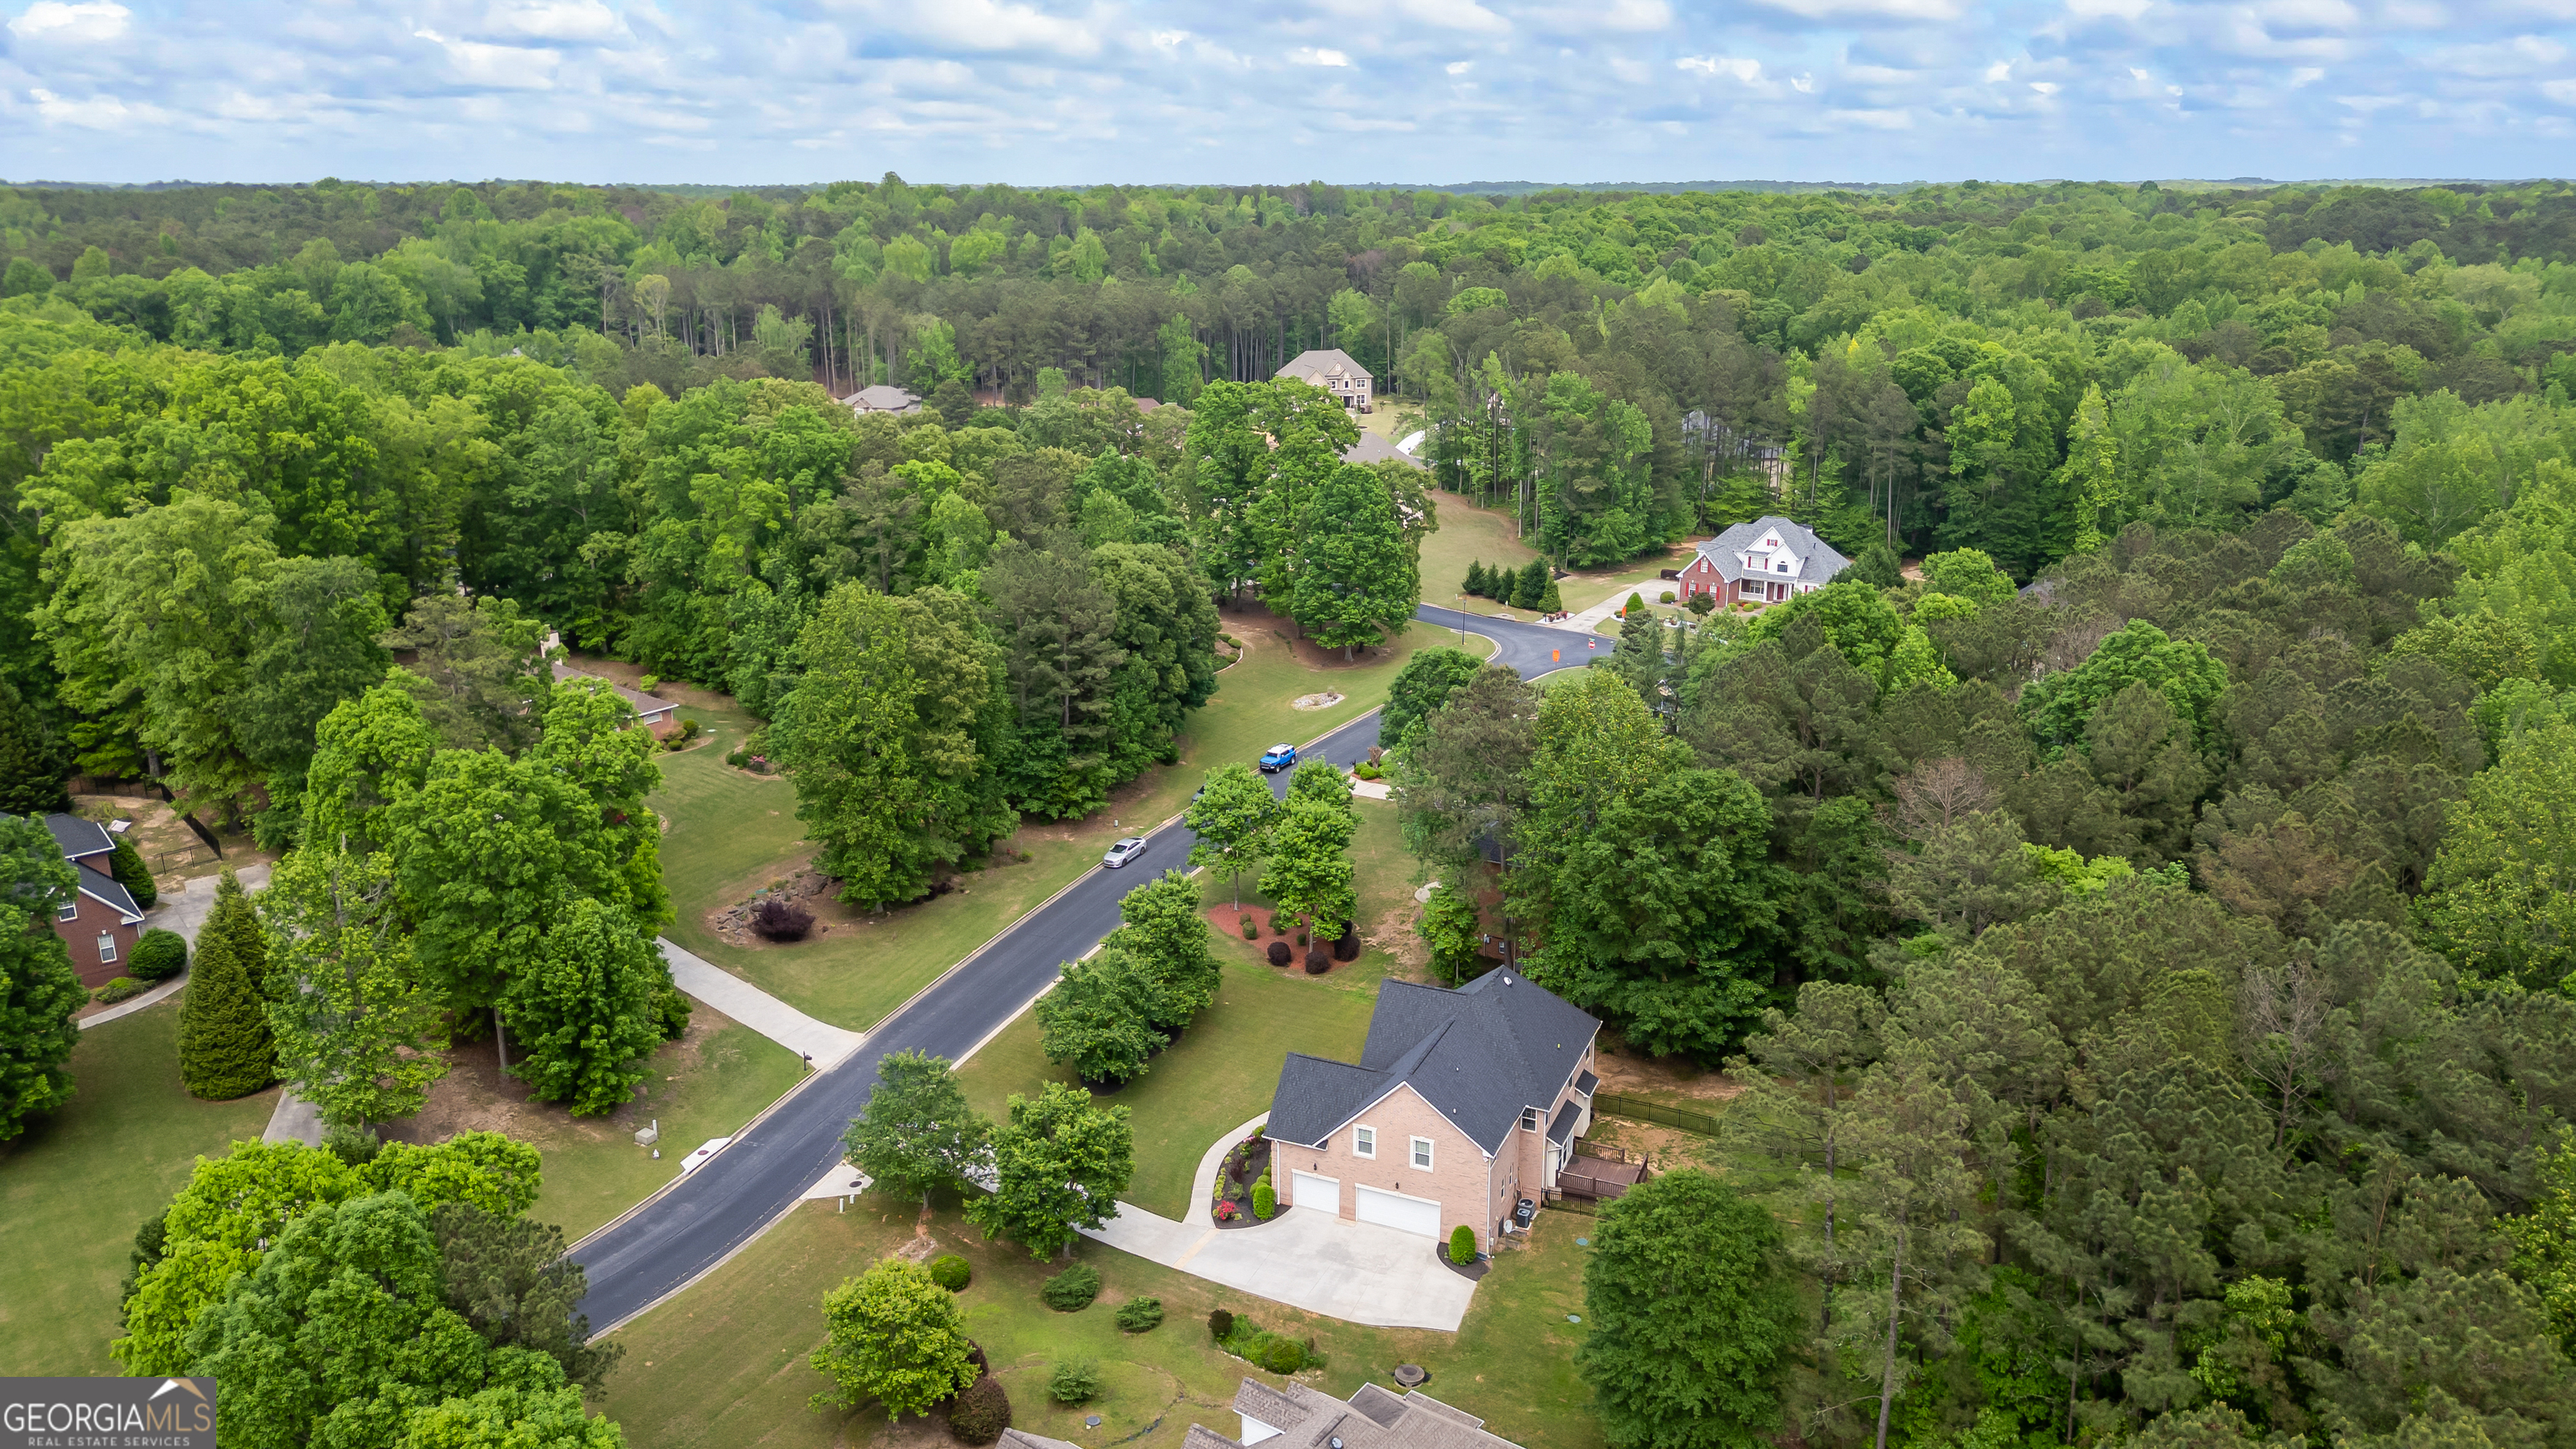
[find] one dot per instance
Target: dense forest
(2140, 925)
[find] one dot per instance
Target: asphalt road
(677, 1237)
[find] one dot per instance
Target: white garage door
(1321, 1194)
(1395, 1210)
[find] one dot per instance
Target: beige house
(1462, 1104)
(1333, 370)
(882, 398)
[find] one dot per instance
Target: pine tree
(128, 868)
(1549, 600)
(224, 1046)
(1531, 586)
(1476, 585)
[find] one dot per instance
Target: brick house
(1766, 561)
(1463, 1102)
(1335, 372)
(100, 923)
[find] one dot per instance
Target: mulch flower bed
(1240, 1169)
(1472, 1272)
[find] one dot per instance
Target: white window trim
(106, 948)
(1364, 1142)
(70, 910)
(1530, 1119)
(1421, 1154)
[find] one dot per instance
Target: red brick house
(1766, 561)
(101, 922)
(1462, 1103)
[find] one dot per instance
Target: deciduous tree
(916, 1134)
(39, 991)
(1060, 1164)
(892, 1335)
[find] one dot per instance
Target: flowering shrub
(1227, 1212)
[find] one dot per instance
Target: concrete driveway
(1354, 1271)
(1358, 1272)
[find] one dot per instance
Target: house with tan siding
(1463, 1102)
(1334, 371)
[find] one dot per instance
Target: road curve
(698, 1222)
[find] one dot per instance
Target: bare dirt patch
(477, 1096)
(1325, 700)
(1257, 626)
(1631, 1073)
(170, 850)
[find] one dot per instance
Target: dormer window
(1529, 1119)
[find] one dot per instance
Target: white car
(1123, 852)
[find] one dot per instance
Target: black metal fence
(1655, 1112)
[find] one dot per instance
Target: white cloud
(1738, 68)
(499, 67)
(1875, 120)
(558, 20)
(2000, 71)
(1634, 15)
(1871, 9)
(982, 25)
(2306, 75)
(2128, 10)
(2046, 88)
(1804, 85)
(1453, 15)
(1312, 55)
(97, 113)
(2561, 91)
(54, 20)
(1459, 67)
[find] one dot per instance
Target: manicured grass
(724, 842)
(593, 1169)
(1222, 1071)
(1467, 534)
(73, 1188)
(724, 1364)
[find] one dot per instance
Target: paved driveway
(1354, 1271)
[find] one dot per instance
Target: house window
(1364, 1142)
(1422, 1154)
(1529, 1119)
(1784, 568)
(69, 912)
(106, 947)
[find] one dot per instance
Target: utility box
(650, 1135)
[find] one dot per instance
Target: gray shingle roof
(1308, 1418)
(1324, 360)
(1478, 1055)
(646, 705)
(104, 889)
(1819, 560)
(883, 398)
(79, 837)
(1373, 448)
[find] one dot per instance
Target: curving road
(671, 1240)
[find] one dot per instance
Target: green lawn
(74, 1187)
(724, 1364)
(1222, 1071)
(593, 1169)
(724, 841)
(1467, 534)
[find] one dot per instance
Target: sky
(1072, 92)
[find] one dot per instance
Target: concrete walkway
(184, 912)
(1357, 1272)
(820, 1041)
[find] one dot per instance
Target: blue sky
(1076, 91)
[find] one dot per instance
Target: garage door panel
(1322, 1194)
(1395, 1210)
